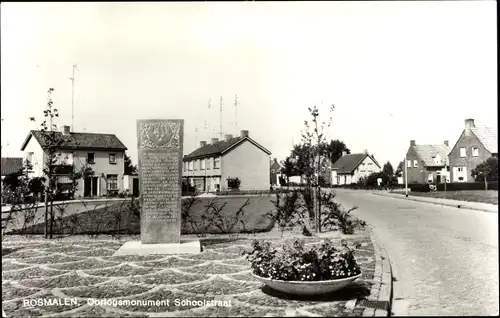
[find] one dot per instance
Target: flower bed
(294, 262)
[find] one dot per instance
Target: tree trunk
(46, 214)
(485, 183)
(51, 218)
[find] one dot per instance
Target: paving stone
(167, 278)
(30, 272)
(220, 286)
(168, 263)
(9, 291)
(121, 271)
(70, 280)
(214, 268)
(84, 264)
(110, 289)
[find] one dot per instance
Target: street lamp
(406, 176)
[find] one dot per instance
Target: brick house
(275, 172)
(104, 154)
(351, 167)
(427, 163)
(212, 166)
(475, 145)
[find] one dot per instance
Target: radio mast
(73, 98)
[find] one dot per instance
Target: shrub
(419, 187)
(458, 186)
(335, 216)
(293, 262)
(285, 211)
(233, 183)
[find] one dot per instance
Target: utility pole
(73, 99)
(236, 111)
(406, 177)
(221, 137)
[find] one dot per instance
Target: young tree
(288, 169)
(53, 145)
(129, 167)
(487, 170)
(400, 169)
(313, 139)
(333, 150)
(301, 156)
(388, 169)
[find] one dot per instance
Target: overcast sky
(394, 70)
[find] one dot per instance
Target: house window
(202, 164)
(475, 151)
(217, 163)
(415, 163)
(29, 156)
(462, 152)
(408, 163)
(112, 158)
(90, 157)
(112, 182)
(208, 163)
(460, 169)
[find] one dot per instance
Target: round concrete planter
(307, 287)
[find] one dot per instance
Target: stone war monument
(160, 146)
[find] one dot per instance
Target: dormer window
(437, 159)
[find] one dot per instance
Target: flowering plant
(294, 262)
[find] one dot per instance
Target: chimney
(228, 137)
(65, 130)
(344, 153)
(214, 140)
(203, 143)
(365, 151)
(469, 123)
(244, 133)
(412, 143)
(446, 143)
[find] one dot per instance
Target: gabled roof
(75, 141)
(487, 136)
(347, 163)
(221, 147)
(11, 165)
(427, 153)
(275, 165)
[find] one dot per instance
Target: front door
(87, 187)
(135, 187)
(95, 183)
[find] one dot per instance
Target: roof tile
(488, 137)
(427, 153)
(347, 163)
(11, 165)
(83, 140)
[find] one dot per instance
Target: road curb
(382, 290)
(450, 204)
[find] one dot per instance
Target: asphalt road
(445, 259)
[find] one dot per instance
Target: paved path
(82, 270)
(487, 207)
(445, 259)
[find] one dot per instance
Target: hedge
(458, 186)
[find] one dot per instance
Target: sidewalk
(478, 206)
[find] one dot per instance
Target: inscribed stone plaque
(160, 144)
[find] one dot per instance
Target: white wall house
(103, 153)
(351, 167)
